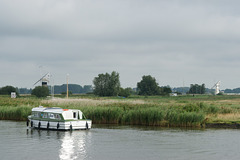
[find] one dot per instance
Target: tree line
(61, 89)
(73, 88)
(236, 90)
(104, 85)
(109, 85)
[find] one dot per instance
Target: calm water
(117, 142)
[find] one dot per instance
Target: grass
(136, 110)
(226, 118)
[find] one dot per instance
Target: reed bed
(228, 117)
(15, 113)
(150, 111)
(90, 102)
(6, 101)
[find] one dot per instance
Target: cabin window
(45, 115)
(35, 114)
(51, 116)
(74, 115)
(57, 116)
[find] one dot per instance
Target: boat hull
(62, 125)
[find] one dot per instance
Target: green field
(184, 111)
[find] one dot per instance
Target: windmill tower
(217, 87)
(45, 80)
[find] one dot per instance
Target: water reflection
(67, 147)
(72, 145)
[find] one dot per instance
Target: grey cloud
(171, 40)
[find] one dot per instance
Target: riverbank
(223, 125)
(182, 111)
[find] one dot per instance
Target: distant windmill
(45, 80)
(217, 87)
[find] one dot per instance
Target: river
(117, 143)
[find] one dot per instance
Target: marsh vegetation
(135, 110)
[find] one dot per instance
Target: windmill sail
(44, 79)
(217, 87)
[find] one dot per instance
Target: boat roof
(52, 109)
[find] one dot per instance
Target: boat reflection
(72, 145)
(67, 147)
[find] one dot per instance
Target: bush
(40, 91)
(125, 92)
(7, 90)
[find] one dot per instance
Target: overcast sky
(179, 42)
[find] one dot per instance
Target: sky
(178, 42)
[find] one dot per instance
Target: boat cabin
(56, 113)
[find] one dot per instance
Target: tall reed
(105, 115)
(144, 116)
(154, 111)
(14, 113)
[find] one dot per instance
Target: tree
(106, 84)
(166, 90)
(24, 91)
(7, 90)
(125, 92)
(87, 89)
(197, 89)
(148, 86)
(203, 89)
(40, 91)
